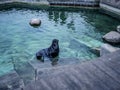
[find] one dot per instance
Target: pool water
(78, 31)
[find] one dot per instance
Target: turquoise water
(78, 31)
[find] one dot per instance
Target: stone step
(45, 69)
(107, 48)
(28, 70)
(36, 64)
(25, 72)
(92, 75)
(10, 81)
(88, 41)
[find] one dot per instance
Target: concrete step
(36, 64)
(92, 75)
(88, 41)
(28, 71)
(44, 69)
(25, 72)
(10, 81)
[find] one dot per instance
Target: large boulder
(118, 28)
(106, 49)
(112, 37)
(35, 22)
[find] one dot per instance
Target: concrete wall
(111, 7)
(113, 3)
(62, 2)
(75, 2)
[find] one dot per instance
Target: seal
(50, 52)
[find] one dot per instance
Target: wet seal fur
(51, 52)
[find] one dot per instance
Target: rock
(112, 37)
(35, 22)
(118, 28)
(106, 49)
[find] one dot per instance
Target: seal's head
(55, 43)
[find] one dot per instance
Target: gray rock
(118, 28)
(112, 37)
(35, 22)
(106, 49)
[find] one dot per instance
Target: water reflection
(92, 23)
(89, 20)
(60, 17)
(54, 61)
(63, 17)
(71, 24)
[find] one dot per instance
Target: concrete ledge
(42, 2)
(45, 2)
(77, 3)
(102, 74)
(10, 81)
(107, 49)
(23, 4)
(113, 3)
(115, 12)
(90, 3)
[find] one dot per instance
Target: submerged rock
(118, 28)
(35, 22)
(112, 37)
(106, 49)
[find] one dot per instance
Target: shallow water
(78, 31)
